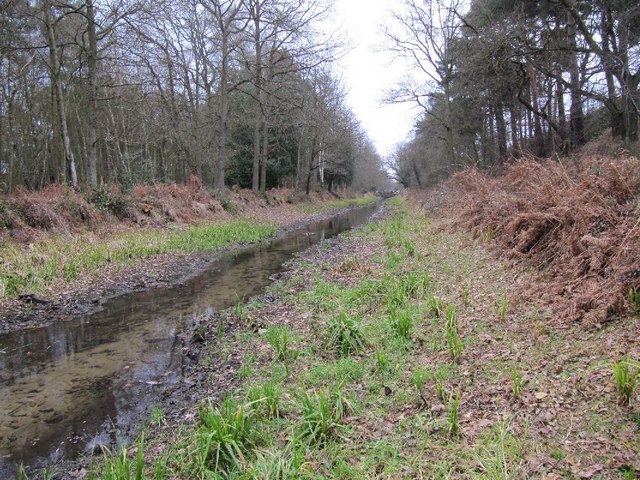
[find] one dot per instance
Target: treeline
(237, 92)
(503, 77)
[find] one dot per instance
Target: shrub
(110, 202)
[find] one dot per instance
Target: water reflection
(72, 385)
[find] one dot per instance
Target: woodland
(125, 92)
(242, 93)
(505, 79)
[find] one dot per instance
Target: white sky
(368, 71)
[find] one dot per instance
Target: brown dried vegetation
(576, 221)
(26, 216)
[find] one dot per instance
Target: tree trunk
(92, 63)
(576, 115)
(513, 123)
(502, 132)
(259, 95)
(218, 177)
(60, 104)
(264, 156)
(538, 139)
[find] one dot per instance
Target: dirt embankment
(27, 216)
(577, 221)
(58, 211)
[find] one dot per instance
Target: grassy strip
(398, 363)
(53, 259)
(334, 204)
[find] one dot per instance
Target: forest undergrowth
(577, 221)
(396, 352)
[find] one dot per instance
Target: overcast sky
(368, 71)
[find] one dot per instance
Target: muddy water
(71, 386)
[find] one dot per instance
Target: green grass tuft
(322, 416)
(626, 374)
(225, 437)
(344, 335)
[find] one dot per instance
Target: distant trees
(238, 92)
(503, 77)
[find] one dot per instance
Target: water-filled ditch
(70, 386)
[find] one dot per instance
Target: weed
(441, 390)
(503, 308)
(626, 374)
(518, 383)
(21, 475)
(410, 247)
(344, 369)
(279, 338)
(453, 416)
(247, 367)
(322, 416)
(500, 453)
(278, 464)
(634, 299)
(415, 285)
(402, 324)
(436, 306)
(419, 377)
(161, 468)
(382, 362)
(345, 336)
(465, 297)
(393, 260)
(225, 436)
(266, 399)
(157, 415)
(238, 307)
(121, 467)
(454, 342)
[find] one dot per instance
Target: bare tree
(56, 80)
